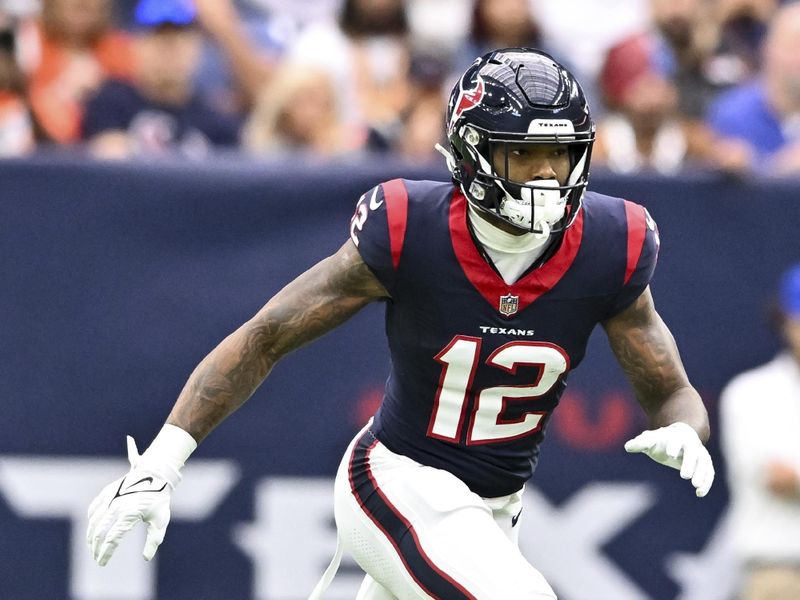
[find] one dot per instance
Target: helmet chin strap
(538, 207)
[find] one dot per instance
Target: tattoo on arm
(648, 355)
(646, 350)
(316, 302)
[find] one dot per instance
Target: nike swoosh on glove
(143, 494)
(677, 446)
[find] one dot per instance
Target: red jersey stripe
(637, 230)
(396, 196)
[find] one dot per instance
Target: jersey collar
(504, 298)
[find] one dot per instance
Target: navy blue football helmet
(519, 96)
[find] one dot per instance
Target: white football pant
(419, 532)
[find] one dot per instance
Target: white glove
(677, 446)
(143, 494)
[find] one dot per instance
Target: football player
(492, 283)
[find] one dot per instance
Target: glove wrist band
(170, 449)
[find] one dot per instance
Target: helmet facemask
(540, 206)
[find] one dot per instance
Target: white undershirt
(512, 255)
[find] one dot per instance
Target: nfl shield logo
(509, 304)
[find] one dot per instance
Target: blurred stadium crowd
(714, 83)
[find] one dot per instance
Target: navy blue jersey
(479, 365)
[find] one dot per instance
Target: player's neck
(493, 238)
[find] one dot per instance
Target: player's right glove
(143, 494)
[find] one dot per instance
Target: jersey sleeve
(642, 255)
(378, 229)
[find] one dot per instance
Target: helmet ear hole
(472, 137)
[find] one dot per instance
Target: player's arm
(647, 353)
(316, 302)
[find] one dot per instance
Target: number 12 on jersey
(459, 360)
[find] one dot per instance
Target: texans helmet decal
(467, 100)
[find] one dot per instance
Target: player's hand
(141, 495)
(677, 446)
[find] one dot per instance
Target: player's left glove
(677, 446)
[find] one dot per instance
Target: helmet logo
(467, 100)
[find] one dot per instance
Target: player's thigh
(421, 533)
(370, 547)
(468, 544)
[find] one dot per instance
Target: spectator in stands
(741, 29)
(422, 124)
(160, 111)
(68, 53)
(425, 20)
(366, 53)
(643, 129)
(759, 416)
(580, 32)
(685, 36)
(760, 119)
(16, 123)
(238, 58)
(679, 41)
(498, 24)
(506, 24)
(297, 112)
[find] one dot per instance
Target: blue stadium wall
(116, 279)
